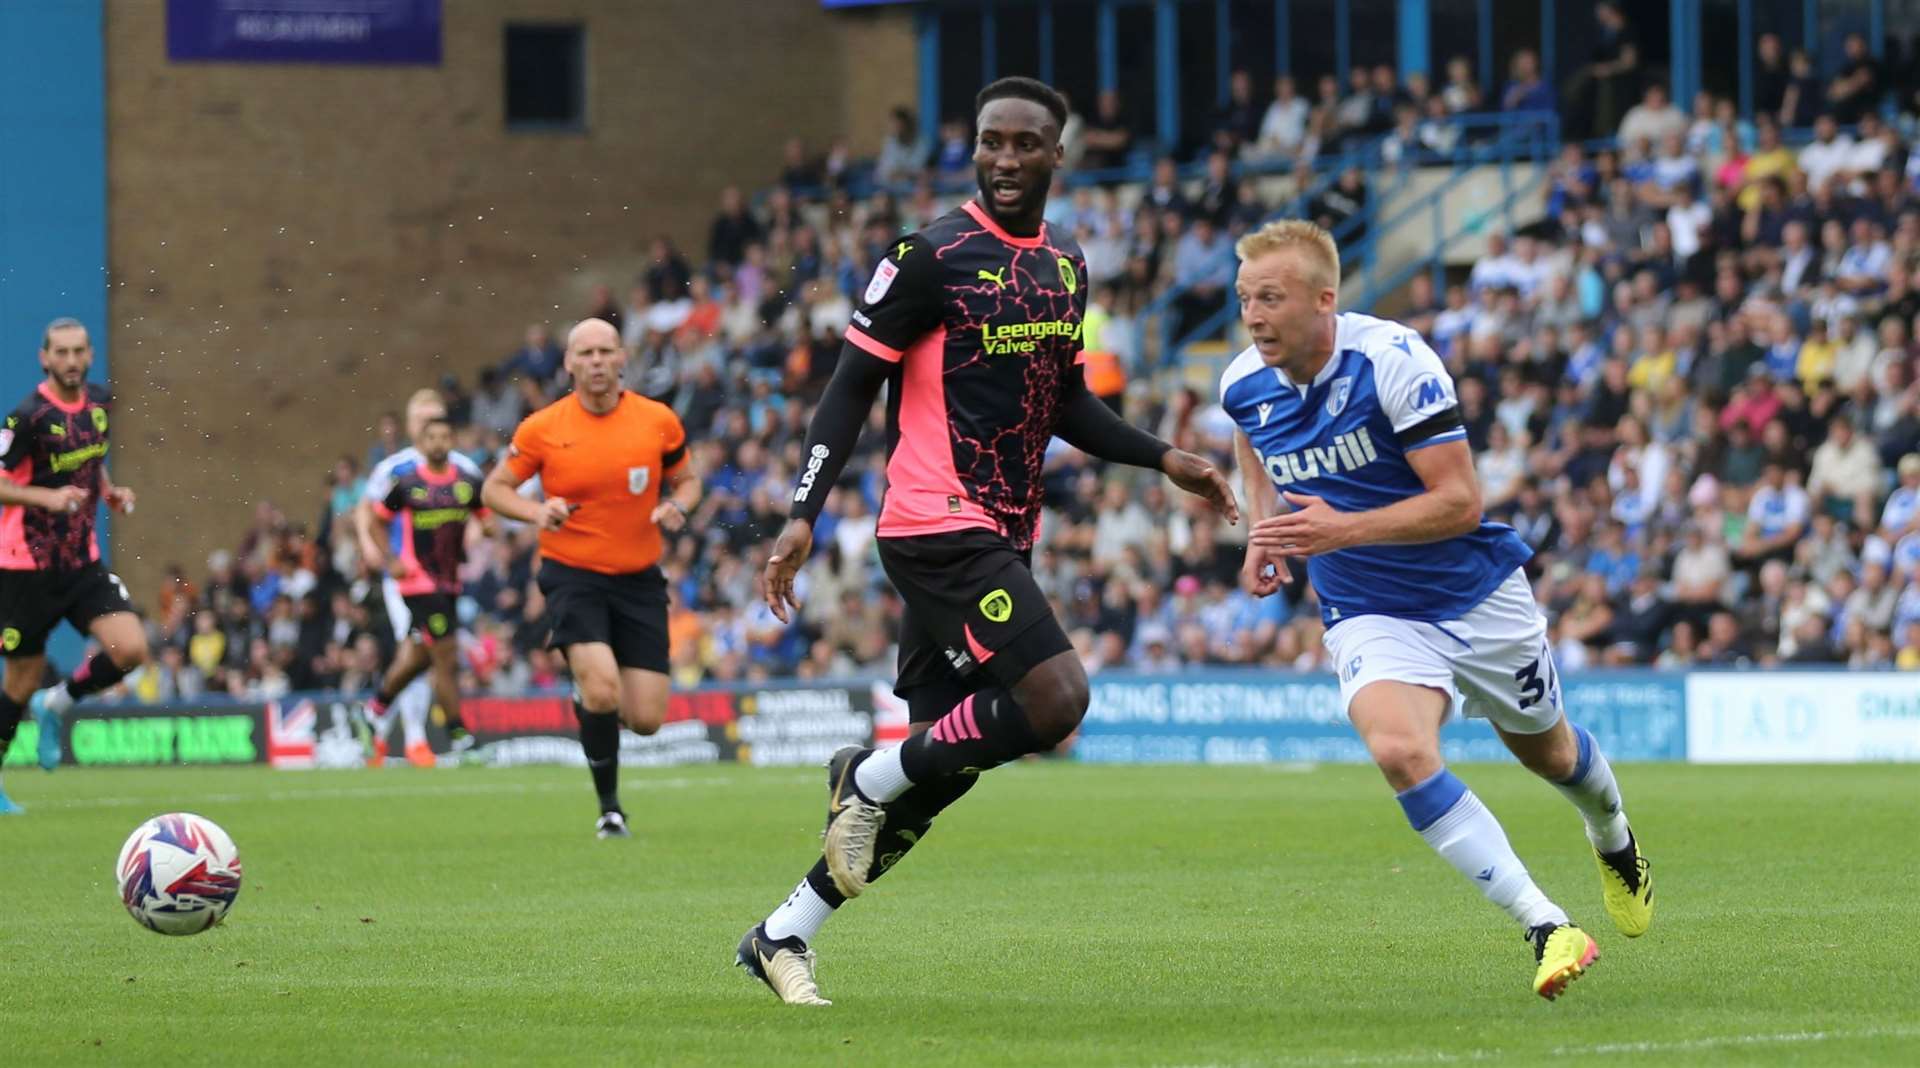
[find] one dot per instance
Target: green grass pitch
(1062, 914)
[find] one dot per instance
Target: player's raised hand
(790, 550)
(1312, 528)
(554, 512)
(66, 499)
(1198, 476)
(1264, 571)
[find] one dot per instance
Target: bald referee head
(595, 359)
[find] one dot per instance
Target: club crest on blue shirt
(1337, 400)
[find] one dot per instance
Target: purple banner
(305, 31)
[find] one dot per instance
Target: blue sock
(1593, 791)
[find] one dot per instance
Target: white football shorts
(1495, 661)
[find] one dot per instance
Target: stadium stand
(1690, 383)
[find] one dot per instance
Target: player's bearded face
(436, 442)
(66, 357)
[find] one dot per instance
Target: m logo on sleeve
(1430, 395)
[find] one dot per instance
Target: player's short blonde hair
(423, 403)
(1314, 244)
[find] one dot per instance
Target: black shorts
(627, 612)
(32, 603)
(432, 616)
(973, 612)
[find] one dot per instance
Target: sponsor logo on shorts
(437, 624)
(997, 606)
(960, 661)
(9, 639)
(1351, 671)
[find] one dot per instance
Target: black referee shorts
(627, 612)
(973, 610)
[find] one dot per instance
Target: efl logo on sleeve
(883, 277)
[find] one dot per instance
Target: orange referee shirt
(610, 468)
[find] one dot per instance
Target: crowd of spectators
(1690, 385)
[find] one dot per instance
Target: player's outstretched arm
(831, 436)
(1089, 425)
(1448, 508)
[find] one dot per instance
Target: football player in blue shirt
(1355, 424)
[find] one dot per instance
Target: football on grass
(178, 874)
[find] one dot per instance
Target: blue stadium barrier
(1212, 716)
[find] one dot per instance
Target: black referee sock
(983, 731)
(10, 713)
(600, 741)
(97, 674)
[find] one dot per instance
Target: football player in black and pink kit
(428, 505)
(974, 325)
(53, 479)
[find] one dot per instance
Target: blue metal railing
(1536, 141)
(1524, 136)
(1368, 156)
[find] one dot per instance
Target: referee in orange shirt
(607, 459)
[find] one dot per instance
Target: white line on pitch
(1603, 1049)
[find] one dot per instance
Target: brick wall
(294, 248)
